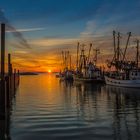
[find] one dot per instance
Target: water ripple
(47, 109)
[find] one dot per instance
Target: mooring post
(2, 92)
(9, 65)
(10, 71)
(2, 51)
(14, 81)
(8, 82)
(18, 77)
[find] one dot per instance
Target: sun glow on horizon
(49, 71)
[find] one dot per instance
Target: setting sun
(49, 71)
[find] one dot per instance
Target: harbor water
(48, 109)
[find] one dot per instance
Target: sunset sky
(50, 26)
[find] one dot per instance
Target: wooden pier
(8, 84)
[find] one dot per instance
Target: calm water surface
(47, 109)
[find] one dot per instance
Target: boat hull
(88, 80)
(122, 83)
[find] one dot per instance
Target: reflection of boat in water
(127, 73)
(122, 90)
(67, 83)
(125, 105)
(88, 87)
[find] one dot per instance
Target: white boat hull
(122, 83)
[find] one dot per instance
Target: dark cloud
(23, 42)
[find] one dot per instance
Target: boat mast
(118, 47)
(137, 54)
(63, 60)
(68, 55)
(113, 62)
(82, 61)
(70, 61)
(77, 64)
(129, 34)
(114, 37)
(97, 51)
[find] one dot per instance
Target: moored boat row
(126, 73)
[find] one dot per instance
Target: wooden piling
(8, 82)
(2, 51)
(2, 93)
(9, 65)
(14, 81)
(18, 77)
